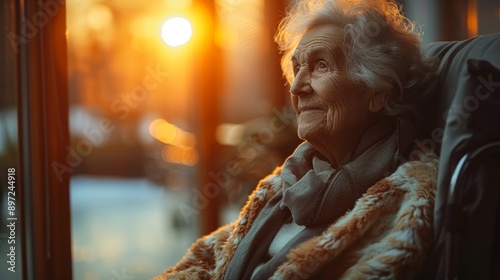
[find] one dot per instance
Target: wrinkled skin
(332, 111)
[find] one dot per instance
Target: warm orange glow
(154, 126)
(176, 31)
(178, 155)
(472, 18)
(230, 134)
(99, 17)
(184, 140)
(190, 157)
(180, 144)
(166, 132)
(179, 3)
(171, 154)
(171, 134)
(226, 38)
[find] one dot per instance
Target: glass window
(10, 268)
(140, 80)
(132, 145)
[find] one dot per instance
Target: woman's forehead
(319, 38)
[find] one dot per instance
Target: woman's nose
(301, 84)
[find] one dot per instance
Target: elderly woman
(355, 200)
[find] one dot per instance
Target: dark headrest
(453, 66)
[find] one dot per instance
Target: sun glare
(176, 31)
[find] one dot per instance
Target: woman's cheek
(323, 89)
(337, 118)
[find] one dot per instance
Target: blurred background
(141, 68)
(175, 110)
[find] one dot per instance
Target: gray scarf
(316, 195)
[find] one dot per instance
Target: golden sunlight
(171, 134)
(99, 17)
(176, 31)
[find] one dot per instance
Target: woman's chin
(306, 131)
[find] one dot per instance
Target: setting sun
(176, 31)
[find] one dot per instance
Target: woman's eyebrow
(323, 50)
(309, 53)
(315, 50)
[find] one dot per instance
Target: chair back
(463, 127)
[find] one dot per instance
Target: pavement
(124, 229)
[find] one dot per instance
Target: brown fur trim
(386, 235)
(199, 260)
(264, 191)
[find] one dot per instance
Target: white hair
(381, 47)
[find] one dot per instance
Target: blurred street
(124, 228)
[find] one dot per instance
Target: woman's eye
(296, 69)
(321, 65)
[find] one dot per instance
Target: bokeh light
(176, 31)
(180, 148)
(184, 156)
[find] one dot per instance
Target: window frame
(42, 103)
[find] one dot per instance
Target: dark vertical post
(452, 20)
(43, 136)
(488, 19)
(444, 20)
(274, 11)
(207, 91)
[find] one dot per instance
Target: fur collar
(385, 236)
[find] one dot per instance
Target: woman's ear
(378, 101)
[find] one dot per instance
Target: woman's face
(327, 103)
